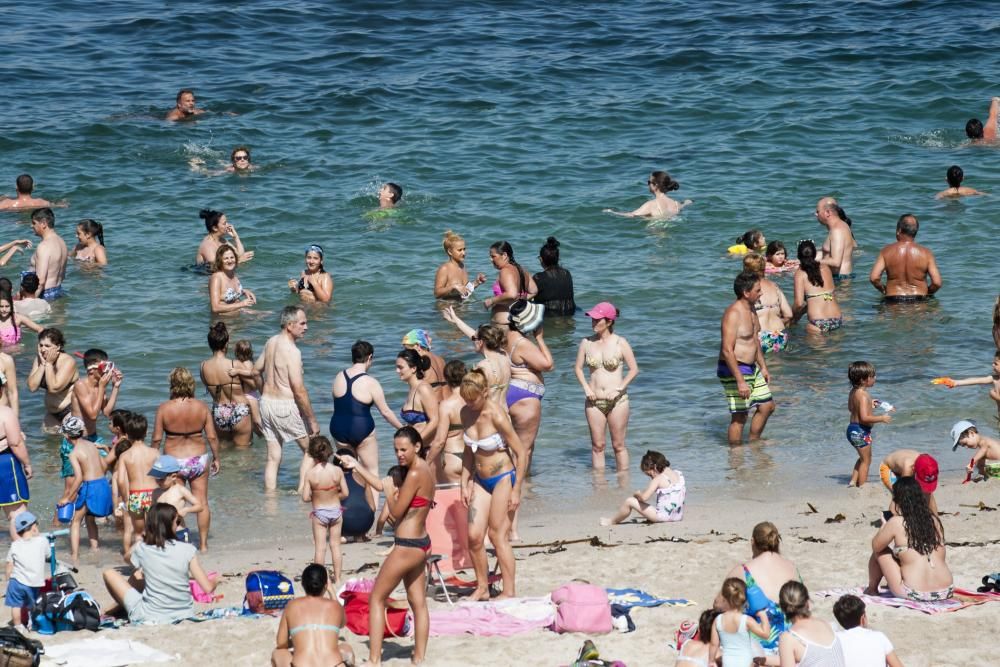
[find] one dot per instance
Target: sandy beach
(682, 560)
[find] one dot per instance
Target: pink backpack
(581, 608)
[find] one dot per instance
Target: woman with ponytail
(90, 246)
(555, 284)
(814, 292)
(513, 283)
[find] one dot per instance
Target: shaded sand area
(712, 538)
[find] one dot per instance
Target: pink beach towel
(503, 618)
(961, 599)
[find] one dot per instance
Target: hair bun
(552, 242)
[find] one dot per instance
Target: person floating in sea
(389, 196)
(907, 266)
(186, 108)
(955, 189)
(837, 251)
(745, 383)
(660, 206)
(979, 133)
(23, 199)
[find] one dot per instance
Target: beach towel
(502, 618)
(102, 652)
(633, 597)
(961, 599)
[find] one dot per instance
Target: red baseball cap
(925, 471)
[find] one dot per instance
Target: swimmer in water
(660, 206)
(452, 279)
(220, 231)
(226, 293)
(955, 189)
(389, 196)
(314, 284)
(239, 163)
(90, 246)
(186, 108)
(23, 200)
(753, 240)
(777, 259)
(979, 133)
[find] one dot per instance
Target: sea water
(516, 121)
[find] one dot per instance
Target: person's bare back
(901, 462)
(138, 461)
(87, 455)
(907, 264)
(281, 360)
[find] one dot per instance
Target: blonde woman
(452, 279)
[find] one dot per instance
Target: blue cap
(24, 521)
(165, 465)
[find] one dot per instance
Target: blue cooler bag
(267, 591)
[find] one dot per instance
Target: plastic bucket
(65, 512)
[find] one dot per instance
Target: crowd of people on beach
(470, 427)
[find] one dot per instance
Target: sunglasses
(474, 339)
(242, 157)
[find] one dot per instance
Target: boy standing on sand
(966, 434)
(134, 481)
(910, 463)
(90, 489)
(859, 431)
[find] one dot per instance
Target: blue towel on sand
(633, 597)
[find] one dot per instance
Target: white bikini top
(490, 443)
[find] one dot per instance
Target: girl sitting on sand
(666, 484)
(731, 629)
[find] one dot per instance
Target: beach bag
(581, 608)
(356, 611)
(59, 611)
(16, 650)
(267, 592)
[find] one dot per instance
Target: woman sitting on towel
(160, 593)
(409, 508)
(908, 550)
(309, 630)
(496, 460)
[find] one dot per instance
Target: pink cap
(605, 310)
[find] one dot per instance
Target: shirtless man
(185, 109)
(979, 133)
(285, 410)
(50, 256)
(23, 201)
(741, 367)
(955, 176)
(838, 248)
(907, 266)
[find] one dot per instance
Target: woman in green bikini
(309, 629)
(605, 353)
(814, 293)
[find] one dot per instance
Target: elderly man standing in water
(744, 382)
(838, 248)
(285, 409)
(907, 266)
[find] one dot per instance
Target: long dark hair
(924, 532)
(415, 360)
(504, 247)
(160, 521)
(808, 263)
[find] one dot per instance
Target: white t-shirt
(28, 556)
(864, 648)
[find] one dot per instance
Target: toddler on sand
(325, 487)
(859, 431)
(665, 484)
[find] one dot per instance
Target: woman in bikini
(225, 291)
(15, 465)
(354, 394)
(90, 243)
(513, 283)
(493, 472)
(772, 308)
(908, 550)
(183, 424)
(315, 284)
(230, 408)
(660, 206)
(219, 230)
(309, 629)
(54, 371)
(11, 322)
(406, 561)
(452, 279)
(448, 447)
(420, 409)
(814, 293)
(607, 406)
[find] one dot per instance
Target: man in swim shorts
(23, 201)
(838, 248)
(979, 133)
(185, 108)
(285, 411)
(49, 260)
(741, 367)
(907, 266)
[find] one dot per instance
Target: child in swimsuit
(250, 380)
(966, 434)
(89, 490)
(325, 487)
(134, 480)
(665, 484)
(859, 431)
(732, 628)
